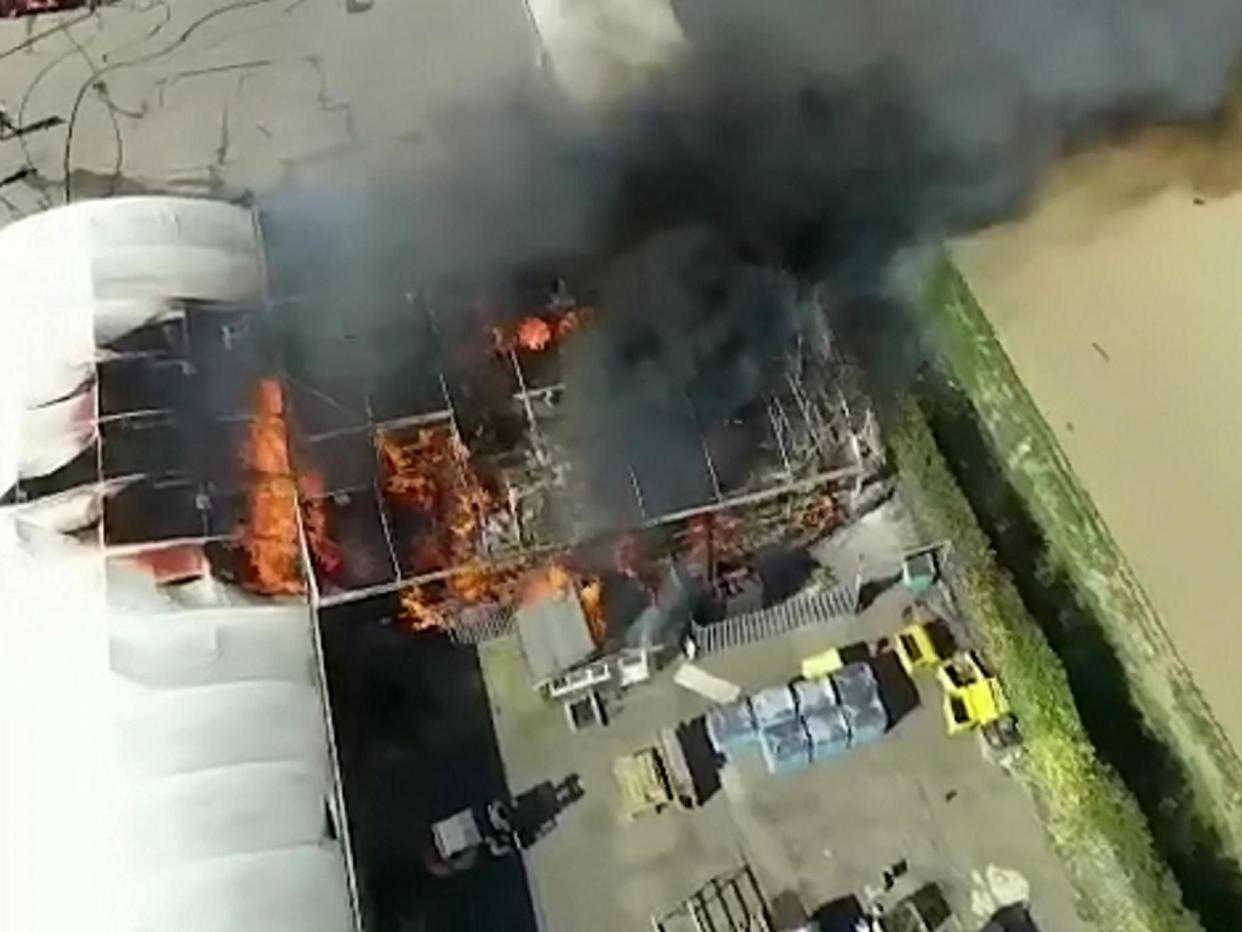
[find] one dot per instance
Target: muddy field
(1119, 301)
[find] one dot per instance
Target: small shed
(920, 569)
(554, 635)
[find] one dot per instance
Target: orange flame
(324, 550)
(432, 474)
(711, 538)
(591, 595)
(537, 332)
(553, 581)
(409, 469)
(418, 612)
(556, 581)
(270, 531)
(471, 583)
(534, 334)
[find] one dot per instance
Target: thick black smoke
(790, 144)
(692, 331)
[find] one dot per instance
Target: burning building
(461, 467)
(189, 443)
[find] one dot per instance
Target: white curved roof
(161, 767)
(75, 277)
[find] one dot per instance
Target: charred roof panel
(357, 528)
(343, 462)
(143, 444)
(142, 383)
(554, 635)
(147, 511)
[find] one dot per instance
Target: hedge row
(1082, 548)
(1095, 824)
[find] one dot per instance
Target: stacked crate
(783, 739)
(732, 726)
(785, 746)
(859, 695)
(813, 695)
(774, 706)
(829, 733)
(822, 716)
(809, 720)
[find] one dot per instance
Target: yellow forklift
(924, 643)
(973, 699)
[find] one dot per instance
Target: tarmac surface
(811, 838)
(416, 745)
(224, 96)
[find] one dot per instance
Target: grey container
(731, 726)
(829, 733)
(856, 684)
(814, 694)
(774, 706)
(786, 747)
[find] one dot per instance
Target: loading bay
(917, 795)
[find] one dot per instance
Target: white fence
(799, 612)
(480, 623)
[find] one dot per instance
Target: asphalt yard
(811, 838)
(221, 97)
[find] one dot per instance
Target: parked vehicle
(973, 697)
(642, 783)
(924, 643)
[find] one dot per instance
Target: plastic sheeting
(786, 748)
(814, 694)
(53, 434)
(67, 512)
(829, 732)
(856, 684)
(225, 778)
(74, 277)
(168, 766)
(211, 646)
(868, 722)
(289, 890)
(219, 726)
(229, 810)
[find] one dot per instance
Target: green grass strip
(1084, 549)
(1096, 826)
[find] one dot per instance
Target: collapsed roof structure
(452, 467)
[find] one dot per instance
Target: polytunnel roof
(165, 766)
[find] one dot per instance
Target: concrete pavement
(212, 96)
(830, 831)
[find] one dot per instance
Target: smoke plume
(790, 144)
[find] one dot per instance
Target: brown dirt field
(1119, 301)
